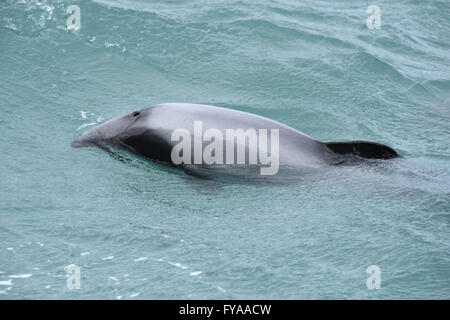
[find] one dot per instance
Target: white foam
(108, 258)
(86, 125)
(178, 265)
(109, 45)
(6, 283)
(195, 273)
(140, 259)
(21, 276)
(221, 289)
(84, 253)
(134, 295)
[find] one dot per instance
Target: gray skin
(147, 133)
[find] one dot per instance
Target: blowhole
(136, 113)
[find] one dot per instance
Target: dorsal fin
(364, 149)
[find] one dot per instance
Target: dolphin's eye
(136, 113)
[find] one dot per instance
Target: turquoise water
(141, 231)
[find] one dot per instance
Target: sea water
(79, 224)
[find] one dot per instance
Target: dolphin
(205, 140)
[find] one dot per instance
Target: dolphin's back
(296, 148)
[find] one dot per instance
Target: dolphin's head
(112, 131)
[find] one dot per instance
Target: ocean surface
(140, 231)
